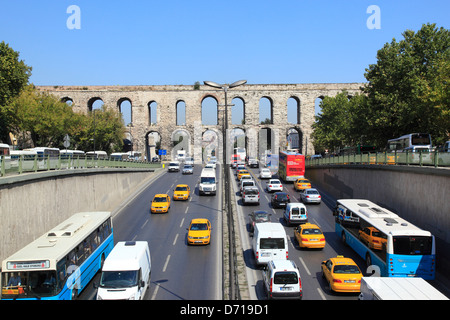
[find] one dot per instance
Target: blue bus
(59, 264)
(389, 244)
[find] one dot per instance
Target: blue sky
(139, 42)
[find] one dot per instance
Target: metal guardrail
(435, 159)
(35, 163)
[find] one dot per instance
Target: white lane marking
(175, 240)
(165, 264)
(321, 294)
(304, 265)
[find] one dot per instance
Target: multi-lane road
(182, 272)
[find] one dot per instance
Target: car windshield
(312, 192)
(160, 199)
(346, 269)
(207, 180)
(119, 279)
(248, 191)
(181, 189)
(199, 226)
(187, 167)
(275, 182)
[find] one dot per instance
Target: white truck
(384, 288)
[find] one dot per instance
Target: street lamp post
(226, 171)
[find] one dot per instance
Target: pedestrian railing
(35, 163)
(435, 159)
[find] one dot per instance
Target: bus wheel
(368, 260)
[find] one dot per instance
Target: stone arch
(266, 141)
(180, 113)
(266, 110)
(125, 107)
(68, 101)
(152, 144)
(180, 140)
(317, 103)
(239, 138)
(237, 111)
(293, 110)
(152, 112)
(95, 103)
(294, 138)
(211, 145)
(209, 115)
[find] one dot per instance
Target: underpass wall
(418, 194)
(31, 204)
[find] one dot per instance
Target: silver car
(187, 169)
(250, 195)
(310, 196)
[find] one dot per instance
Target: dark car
(280, 199)
(257, 216)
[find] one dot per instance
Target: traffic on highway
(179, 214)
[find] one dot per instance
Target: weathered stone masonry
(167, 96)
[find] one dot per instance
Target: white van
(126, 272)
(269, 242)
(282, 280)
(207, 183)
(174, 166)
(295, 213)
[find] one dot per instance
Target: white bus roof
(59, 241)
(392, 288)
(381, 218)
(125, 256)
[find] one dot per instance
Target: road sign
(162, 152)
(66, 141)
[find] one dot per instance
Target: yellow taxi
(199, 231)
(160, 203)
(309, 235)
(302, 184)
(342, 274)
(241, 173)
(373, 238)
(181, 192)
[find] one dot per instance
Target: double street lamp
(226, 171)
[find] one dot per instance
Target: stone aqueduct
(167, 98)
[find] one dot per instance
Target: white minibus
(207, 183)
(126, 272)
(269, 242)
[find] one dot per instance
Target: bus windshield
(31, 284)
(413, 245)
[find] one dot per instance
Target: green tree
(408, 86)
(14, 75)
(43, 118)
(107, 125)
(342, 122)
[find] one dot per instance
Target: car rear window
(285, 277)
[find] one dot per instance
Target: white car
(274, 185)
(265, 173)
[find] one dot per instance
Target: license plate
(314, 240)
(349, 281)
(286, 289)
(265, 254)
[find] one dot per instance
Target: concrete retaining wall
(418, 194)
(31, 204)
